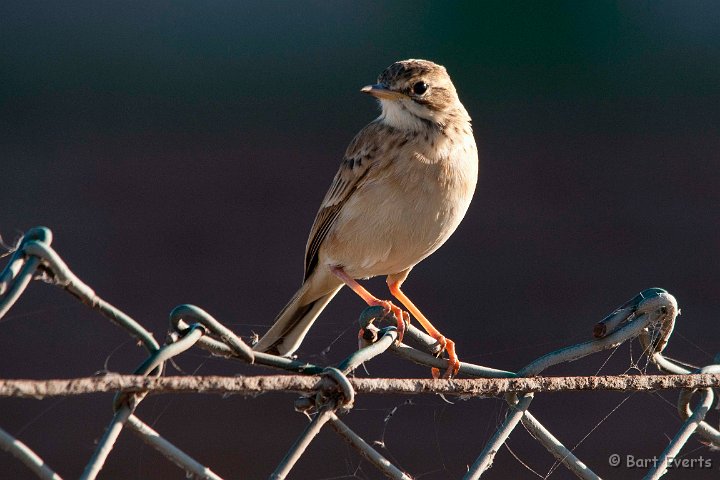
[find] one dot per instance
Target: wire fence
(329, 391)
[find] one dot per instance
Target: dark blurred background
(179, 152)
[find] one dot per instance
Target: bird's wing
(360, 158)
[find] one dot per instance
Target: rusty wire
(303, 384)
(649, 316)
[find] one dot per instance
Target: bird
(404, 185)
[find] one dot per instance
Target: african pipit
(403, 187)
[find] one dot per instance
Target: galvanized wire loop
(682, 436)
(384, 339)
(704, 429)
(227, 338)
(630, 320)
(16, 276)
(347, 392)
(624, 312)
(35, 250)
(18, 257)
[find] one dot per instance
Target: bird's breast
(406, 210)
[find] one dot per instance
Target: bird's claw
(453, 362)
(402, 318)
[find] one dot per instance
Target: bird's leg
(402, 318)
(445, 343)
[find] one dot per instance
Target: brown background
(179, 153)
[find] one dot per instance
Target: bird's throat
(397, 115)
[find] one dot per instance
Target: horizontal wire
(253, 385)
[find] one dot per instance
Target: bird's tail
(293, 323)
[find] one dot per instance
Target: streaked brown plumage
(402, 189)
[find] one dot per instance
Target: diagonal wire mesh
(328, 391)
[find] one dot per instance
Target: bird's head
(415, 94)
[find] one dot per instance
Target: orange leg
(400, 316)
(445, 343)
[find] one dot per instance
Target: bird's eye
(419, 88)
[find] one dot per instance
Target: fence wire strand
(327, 391)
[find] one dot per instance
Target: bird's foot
(447, 345)
(402, 318)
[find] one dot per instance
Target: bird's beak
(381, 91)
